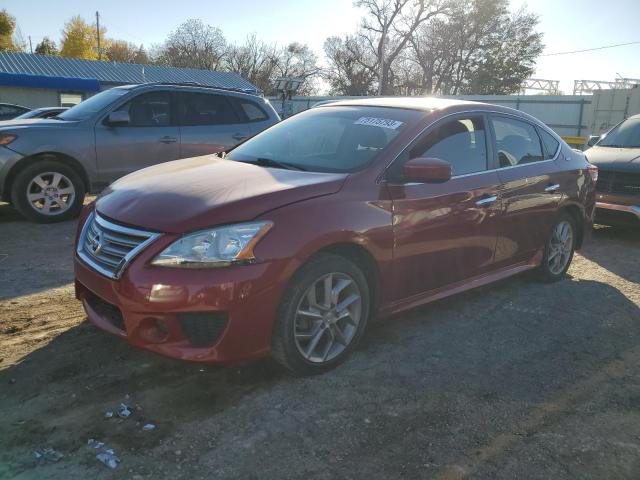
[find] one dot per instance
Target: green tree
(80, 40)
(47, 47)
(7, 32)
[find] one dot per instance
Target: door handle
(486, 200)
(168, 139)
(238, 136)
(552, 187)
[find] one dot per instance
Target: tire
(555, 263)
(294, 333)
(37, 196)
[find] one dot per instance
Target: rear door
(151, 136)
(446, 232)
(209, 123)
(530, 189)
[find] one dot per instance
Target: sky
(567, 25)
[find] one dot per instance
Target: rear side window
(151, 109)
(206, 109)
(517, 142)
(252, 111)
(550, 144)
(461, 142)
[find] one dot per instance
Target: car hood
(201, 192)
(623, 159)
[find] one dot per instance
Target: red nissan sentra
(347, 212)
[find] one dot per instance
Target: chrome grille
(108, 247)
(624, 183)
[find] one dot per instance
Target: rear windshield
(328, 139)
(92, 105)
(625, 135)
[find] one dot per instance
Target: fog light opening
(153, 330)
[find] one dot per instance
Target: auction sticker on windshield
(379, 122)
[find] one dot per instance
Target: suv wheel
(559, 249)
(48, 191)
(322, 316)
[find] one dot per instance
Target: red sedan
(347, 212)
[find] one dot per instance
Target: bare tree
(193, 45)
(348, 71)
(254, 61)
(387, 28)
(299, 61)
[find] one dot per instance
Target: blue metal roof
(114, 72)
(43, 81)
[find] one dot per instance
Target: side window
(517, 142)
(151, 109)
(252, 111)
(550, 144)
(206, 109)
(461, 142)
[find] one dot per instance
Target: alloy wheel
(327, 317)
(560, 247)
(50, 193)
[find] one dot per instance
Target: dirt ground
(515, 380)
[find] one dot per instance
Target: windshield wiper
(269, 162)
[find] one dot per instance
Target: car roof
(426, 104)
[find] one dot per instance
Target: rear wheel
(48, 191)
(322, 316)
(559, 249)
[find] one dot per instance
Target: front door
(530, 189)
(446, 232)
(151, 137)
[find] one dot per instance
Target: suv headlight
(217, 247)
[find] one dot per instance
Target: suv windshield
(327, 139)
(88, 107)
(625, 135)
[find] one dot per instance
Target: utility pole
(98, 34)
(30, 46)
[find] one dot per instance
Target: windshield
(328, 139)
(90, 106)
(625, 135)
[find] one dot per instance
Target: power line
(589, 49)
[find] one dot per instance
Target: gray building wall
(29, 97)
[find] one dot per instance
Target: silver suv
(47, 166)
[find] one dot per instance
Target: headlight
(217, 247)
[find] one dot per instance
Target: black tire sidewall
(21, 183)
(283, 343)
(544, 271)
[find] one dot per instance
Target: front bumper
(220, 315)
(8, 158)
(614, 209)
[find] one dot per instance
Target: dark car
(350, 211)
(9, 111)
(47, 165)
(617, 156)
(46, 112)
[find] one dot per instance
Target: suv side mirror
(427, 170)
(119, 117)
(592, 140)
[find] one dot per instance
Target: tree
(8, 31)
(47, 47)
(347, 71)
(254, 61)
(387, 28)
(80, 39)
(299, 61)
(125, 52)
(193, 45)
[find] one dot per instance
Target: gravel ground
(515, 380)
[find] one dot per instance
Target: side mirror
(592, 140)
(427, 170)
(119, 117)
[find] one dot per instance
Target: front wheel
(48, 191)
(559, 249)
(322, 316)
